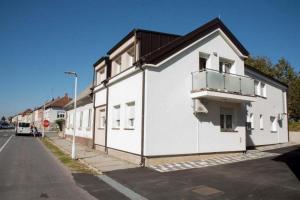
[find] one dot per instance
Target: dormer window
(116, 66)
(225, 66)
(100, 76)
(203, 57)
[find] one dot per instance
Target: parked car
(23, 128)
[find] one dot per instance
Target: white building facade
(84, 119)
(183, 95)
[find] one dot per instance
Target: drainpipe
(142, 162)
(106, 117)
(94, 111)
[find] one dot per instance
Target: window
(261, 122)
(130, 109)
(226, 119)
(60, 115)
(225, 67)
(100, 76)
(102, 119)
(130, 58)
(81, 117)
(89, 119)
(116, 66)
(251, 117)
(202, 63)
(263, 89)
(273, 124)
(257, 89)
(116, 116)
(71, 120)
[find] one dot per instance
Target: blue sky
(40, 39)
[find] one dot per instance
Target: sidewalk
(259, 152)
(97, 160)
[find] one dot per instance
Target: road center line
(5, 143)
(121, 188)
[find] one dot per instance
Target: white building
(84, 118)
(54, 110)
(165, 95)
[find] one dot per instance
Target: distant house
(84, 118)
(25, 116)
(54, 110)
(38, 116)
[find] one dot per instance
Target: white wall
(272, 105)
(120, 93)
(171, 126)
(100, 97)
(51, 114)
(85, 131)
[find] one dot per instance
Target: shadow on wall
(292, 159)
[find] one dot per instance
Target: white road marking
(5, 143)
(121, 188)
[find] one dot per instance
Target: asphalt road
(29, 171)
(273, 178)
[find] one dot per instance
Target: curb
(78, 159)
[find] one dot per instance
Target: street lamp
(74, 119)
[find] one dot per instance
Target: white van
(23, 128)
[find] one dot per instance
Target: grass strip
(73, 165)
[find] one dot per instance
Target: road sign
(46, 123)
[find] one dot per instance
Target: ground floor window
(102, 119)
(273, 124)
(226, 119)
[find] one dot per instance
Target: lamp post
(74, 74)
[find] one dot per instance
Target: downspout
(108, 73)
(94, 112)
(106, 117)
(140, 65)
(142, 163)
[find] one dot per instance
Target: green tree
(261, 63)
(3, 118)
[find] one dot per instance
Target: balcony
(212, 84)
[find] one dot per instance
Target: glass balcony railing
(223, 82)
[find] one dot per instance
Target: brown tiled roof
(58, 102)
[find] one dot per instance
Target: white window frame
(130, 115)
(102, 119)
(116, 124)
(263, 90)
(261, 122)
(80, 120)
(226, 112)
(89, 118)
(251, 117)
(273, 124)
(100, 75)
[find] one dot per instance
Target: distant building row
(51, 111)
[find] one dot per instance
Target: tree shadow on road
(292, 160)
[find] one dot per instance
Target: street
(29, 171)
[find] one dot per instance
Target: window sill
(100, 128)
(229, 131)
(273, 131)
(128, 128)
(115, 128)
(88, 129)
(261, 96)
(261, 129)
